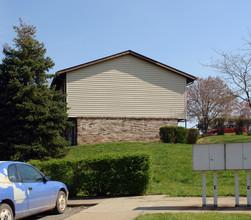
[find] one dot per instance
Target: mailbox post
(230, 156)
(215, 188)
(204, 194)
(248, 187)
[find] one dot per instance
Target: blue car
(25, 191)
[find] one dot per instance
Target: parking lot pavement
(74, 206)
(128, 208)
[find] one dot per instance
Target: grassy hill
(172, 172)
(227, 138)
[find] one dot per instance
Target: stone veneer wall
(92, 130)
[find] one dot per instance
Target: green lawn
(194, 216)
(172, 172)
(227, 138)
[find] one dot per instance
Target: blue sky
(179, 33)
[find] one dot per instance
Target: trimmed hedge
(192, 135)
(167, 134)
(177, 134)
(173, 134)
(112, 175)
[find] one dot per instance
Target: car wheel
(61, 203)
(6, 212)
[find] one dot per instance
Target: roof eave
(190, 78)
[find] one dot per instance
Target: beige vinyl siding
(126, 87)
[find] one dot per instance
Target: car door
(41, 194)
(19, 192)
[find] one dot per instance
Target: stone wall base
(93, 130)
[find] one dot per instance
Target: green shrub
(240, 124)
(180, 135)
(167, 134)
(192, 135)
(173, 134)
(64, 170)
(101, 175)
(219, 124)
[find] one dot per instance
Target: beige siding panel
(126, 87)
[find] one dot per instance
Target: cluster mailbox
(229, 156)
(208, 157)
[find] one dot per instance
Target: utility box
(208, 157)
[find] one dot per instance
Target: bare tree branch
(236, 67)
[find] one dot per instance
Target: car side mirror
(47, 178)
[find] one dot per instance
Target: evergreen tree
(32, 115)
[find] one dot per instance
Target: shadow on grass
(195, 208)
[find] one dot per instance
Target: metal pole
(236, 188)
(215, 188)
(204, 188)
(248, 188)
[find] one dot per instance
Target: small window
(29, 174)
(12, 173)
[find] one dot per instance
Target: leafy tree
(32, 116)
(208, 99)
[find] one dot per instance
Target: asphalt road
(71, 210)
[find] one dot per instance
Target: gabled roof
(61, 73)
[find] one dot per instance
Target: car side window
(29, 174)
(13, 174)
